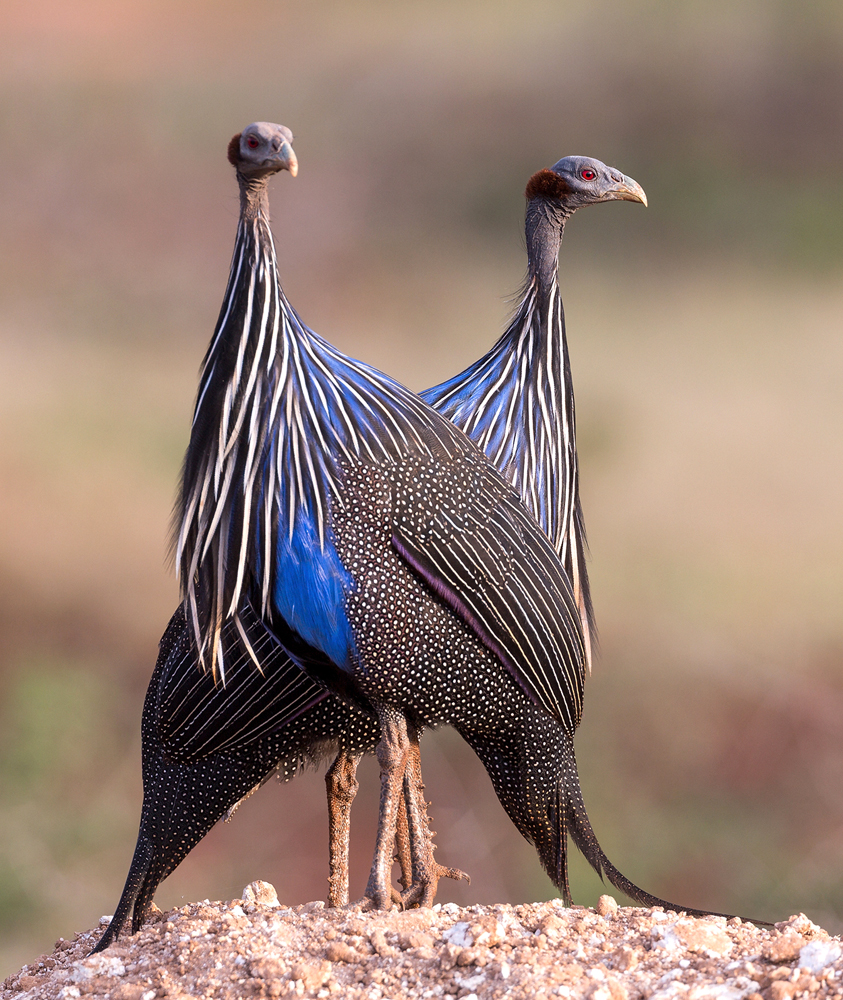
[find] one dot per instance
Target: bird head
(581, 180)
(261, 149)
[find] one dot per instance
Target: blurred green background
(706, 337)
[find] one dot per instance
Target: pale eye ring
(588, 174)
(252, 141)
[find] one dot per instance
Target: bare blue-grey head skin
(590, 182)
(262, 149)
(259, 151)
(554, 194)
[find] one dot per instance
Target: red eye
(252, 141)
(588, 174)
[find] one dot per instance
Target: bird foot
(368, 902)
(423, 890)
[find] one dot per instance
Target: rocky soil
(256, 947)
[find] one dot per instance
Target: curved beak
(626, 189)
(287, 159)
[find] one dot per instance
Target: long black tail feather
(136, 881)
(199, 761)
(534, 771)
(578, 825)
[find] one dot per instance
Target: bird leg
(392, 753)
(426, 871)
(342, 785)
(403, 851)
(403, 823)
(341, 782)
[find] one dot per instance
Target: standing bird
(362, 527)
(517, 402)
(537, 327)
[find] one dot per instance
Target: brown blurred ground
(706, 342)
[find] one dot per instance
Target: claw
(362, 905)
(403, 823)
(423, 891)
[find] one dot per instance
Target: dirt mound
(256, 947)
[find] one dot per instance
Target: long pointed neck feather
(278, 410)
(221, 458)
(517, 404)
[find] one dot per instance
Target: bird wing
(466, 533)
(197, 717)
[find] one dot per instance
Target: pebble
(521, 953)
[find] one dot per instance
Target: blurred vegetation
(705, 339)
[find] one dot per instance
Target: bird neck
(544, 226)
(254, 196)
(517, 404)
(517, 401)
(544, 229)
(227, 440)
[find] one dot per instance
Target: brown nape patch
(546, 184)
(234, 150)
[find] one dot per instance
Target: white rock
(667, 938)
(471, 982)
(801, 924)
(816, 955)
(673, 992)
(601, 993)
(732, 989)
(458, 935)
(96, 965)
(261, 892)
(671, 977)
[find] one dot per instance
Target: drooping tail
(534, 770)
(579, 827)
(183, 799)
(136, 880)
